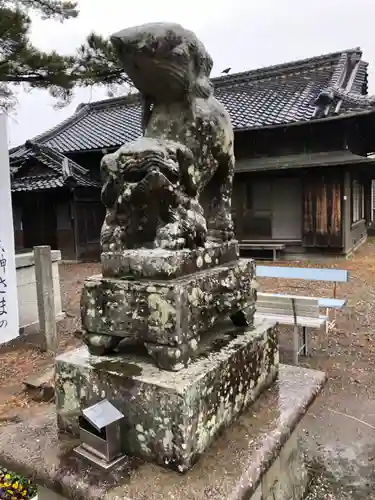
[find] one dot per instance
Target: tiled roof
(274, 95)
(37, 183)
(63, 170)
(359, 84)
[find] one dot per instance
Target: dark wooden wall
(89, 217)
(325, 220)
(327, 198)
(322, 208)
(67, 220)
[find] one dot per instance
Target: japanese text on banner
(3, 288)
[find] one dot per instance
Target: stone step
(41, 386)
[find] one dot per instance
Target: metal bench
(301, 312)
(310, 274)
(275, 247)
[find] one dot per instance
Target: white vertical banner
(9, 323)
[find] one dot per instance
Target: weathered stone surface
(231, 469)
(171, 418)
(294, 474)
(151, 197)
(171, 188)
(46, 494)
(167, 264)
(168, 313)
(168, 210)
(287, 478)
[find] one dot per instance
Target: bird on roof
(226, 70)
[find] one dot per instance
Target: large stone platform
(171, 418)
(167, 316)
(258, 457)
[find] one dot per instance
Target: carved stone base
(171, 418)
(166, 264)
(169, 317)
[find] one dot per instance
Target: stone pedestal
(258, 457)
(168, 316)
(171, 418)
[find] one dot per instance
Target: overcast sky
(243, 34)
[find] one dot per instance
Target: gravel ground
(339, 428)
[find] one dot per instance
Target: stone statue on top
(172, 187)
(170, 263)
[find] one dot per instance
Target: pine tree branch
(94, 64)
(49, 9)
(101, 77)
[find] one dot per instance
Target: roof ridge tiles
(265, 71)
(131, 98)
(55, 159)
(254, 99)
(44, 136)
(53, 174)
(291, 66)
(58, 157)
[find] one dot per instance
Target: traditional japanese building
(303, 165)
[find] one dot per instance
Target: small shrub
(15, 487)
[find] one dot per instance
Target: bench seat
(289, 320)
(265, 246)
(332, 303)
(323, 302)
(300, 312)
(274, 247)
(303, 273)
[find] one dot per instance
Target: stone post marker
(9, 326)
(45, 297)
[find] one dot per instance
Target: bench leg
(296, 335)
(334, 321)
(331, 325)
(305, 348)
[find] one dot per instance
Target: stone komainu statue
(172, 187)
(170, 264)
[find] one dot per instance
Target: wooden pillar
(74, 222)
(45, 298)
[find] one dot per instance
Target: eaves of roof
(36, 183)
(320, 159)
(276, 96)
(57, 178)
(347, 113)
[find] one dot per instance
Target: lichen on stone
(153, 186)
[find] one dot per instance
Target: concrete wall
(26, 290)
(287, 478)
